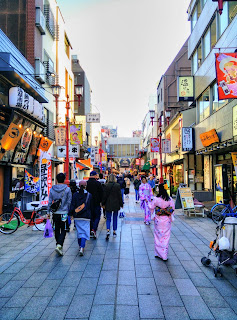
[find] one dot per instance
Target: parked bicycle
(220, 210)
(11, 219)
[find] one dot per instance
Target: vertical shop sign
(60, 136)
(76, 134)
(155, 145)
(45, 177)
(207, 182)
(75, 169)
(234, 159)
(187, 139)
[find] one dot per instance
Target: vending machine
(221, 184)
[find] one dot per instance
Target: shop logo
(44, 144)
(14, 133)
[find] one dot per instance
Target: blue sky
(125, 46)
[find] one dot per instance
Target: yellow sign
(104, 157)
(185, 91)
(234, 159)
(11, 137)
(209, 137)
(76, 134)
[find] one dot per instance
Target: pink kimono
(162, 227)
(145, 193)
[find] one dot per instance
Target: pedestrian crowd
(85, 203)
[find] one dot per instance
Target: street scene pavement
(116, 279)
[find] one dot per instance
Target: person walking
(122, 184)
(151, 182)
(137, 183)
(127, 188)
(94, 187)
(80, 209)
(164, 208)
(112, 200)
(102, 180)
(60, 198)
(145, 194)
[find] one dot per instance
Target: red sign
(155, 145)
(137, 162)
(226, 75)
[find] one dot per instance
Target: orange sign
(226, 75)
(209, 137)
(11, 137)
(45, 144)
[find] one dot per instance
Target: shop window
(232, 10)
(204, 105)
(207, 43)
(215, 103)
(223, 19)
(213, 33)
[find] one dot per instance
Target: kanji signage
(185, 88)
(187, 139)
(209, 137)
(60, 136)
(74, 151)
(45, 177)
(166, 146)
(93, 118)
(226, 75)
(94, 151)
(155, 145)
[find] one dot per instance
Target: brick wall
(30, 32)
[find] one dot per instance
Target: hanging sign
(93, 118)
(137, 162)
(45, 177)
(75, 169)
(187, 139)
(94, 151)
(155, 145)
(166, 146)
(60, 136)
(226, 75)
(76, 134)
(185, 88)
(32, 184)
(209, 137)
(45, 144)
(104, 157)
(74, 151)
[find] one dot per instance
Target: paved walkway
(119, 279)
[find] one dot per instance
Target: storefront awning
(146, 166)
(16, 73)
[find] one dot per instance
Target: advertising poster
(32, 184)
(76, 134)
(234, 159)
(137, 162)
(207, 180)
(219, 183)
(226, 75)
(104, 157)
(186, 198)
(155, 145)
(45, 177)
(185, 88)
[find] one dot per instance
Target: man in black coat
(95, 189)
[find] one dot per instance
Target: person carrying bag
(60, 198)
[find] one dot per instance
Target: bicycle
(10, 221)
(219, 210)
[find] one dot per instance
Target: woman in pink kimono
(164, 208)
(145, 194)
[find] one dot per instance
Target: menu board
(186, 198)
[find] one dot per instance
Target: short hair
(60, 177)
(143, 177)
(101, 176)
(112, 178)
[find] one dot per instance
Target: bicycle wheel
(218, 211)
(8, 225)
(40, 219)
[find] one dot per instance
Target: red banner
(137, 162)
(226, 75)
(155, 145)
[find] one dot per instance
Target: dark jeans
(60, 232)
(108, 219)
(82, 242)
(137, 194)
(95, 219)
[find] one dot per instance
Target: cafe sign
(209, 137)
(185, 88)
(18, 98)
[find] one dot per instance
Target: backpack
(57, 203)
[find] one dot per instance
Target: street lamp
(96, 140)
(152, 116)
(105, 140)
(56, 93)
(167, 115)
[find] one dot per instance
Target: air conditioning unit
(40, 20)
(40, 71)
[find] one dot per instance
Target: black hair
(72, 183)
(60, 177)
(101, 176)
(143, 177)
(163, 193)
(81, 189)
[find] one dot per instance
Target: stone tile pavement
(119, 279)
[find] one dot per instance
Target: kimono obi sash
(164, 211)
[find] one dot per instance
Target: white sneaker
(81, 251)
(59, 249)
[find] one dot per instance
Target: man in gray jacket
(57, 192)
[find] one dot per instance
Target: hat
(72, 183)
(82, 183)
(93, 173)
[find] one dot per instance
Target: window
(213, 33)
(50, 20)
(215, 103)
(223, 19)
(204, 105)
(207, 43)
(194, 18)
(49, 69)
(66, 45)
(199, 51)
(232, 10)
(195, 62)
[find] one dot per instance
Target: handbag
(57, 203)
(81, 207)
(48, 230)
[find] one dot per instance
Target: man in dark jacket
(121, 182)
(137, 183)
(95, 189)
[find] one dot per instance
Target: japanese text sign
(226, 75)
(187, 139)
(185, 88)
(60, 136)
(209, 137)
(93, 118)
(45, 177)
(166, 146)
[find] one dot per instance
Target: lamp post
(167, 115)
(56, 92)
(96, 140)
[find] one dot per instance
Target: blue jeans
(108, 219)
(82, 242)
(122, 191)
(137, 194)
(96, 218)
